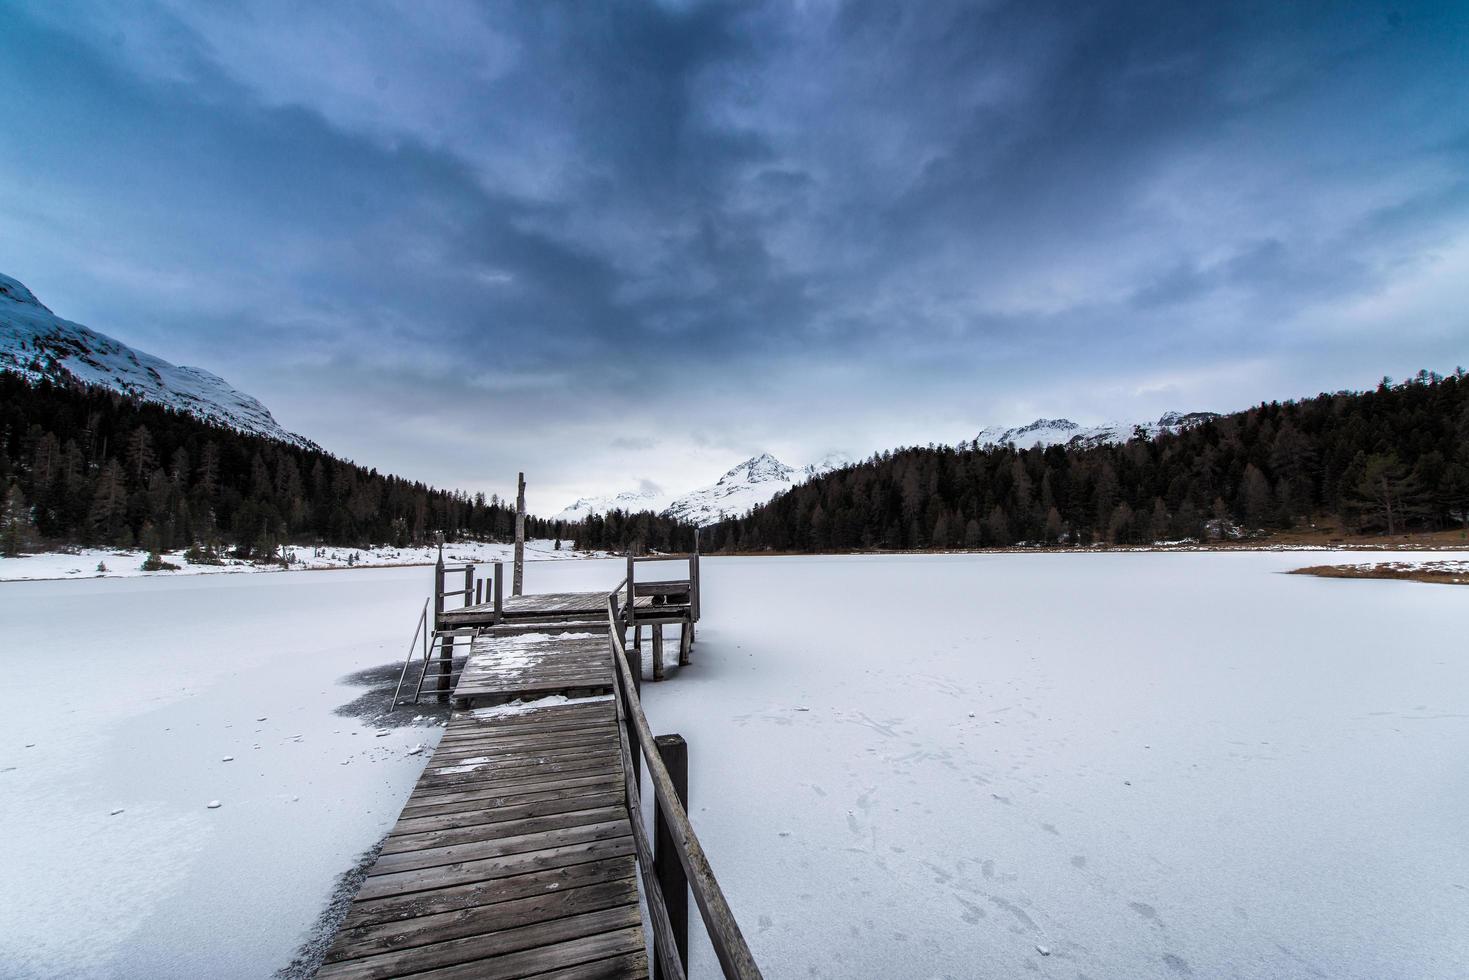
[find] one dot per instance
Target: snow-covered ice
(1140, 765)
(1105, 765)
(124, 823)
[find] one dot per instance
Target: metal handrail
(724, 933)
(422, 627)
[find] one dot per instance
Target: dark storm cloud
(632, 241)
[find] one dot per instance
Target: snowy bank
(119, 563)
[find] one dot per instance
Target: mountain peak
(16, 291)
(37, 344)
(758, 469)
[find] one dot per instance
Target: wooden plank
(464, 834)
(478, 797)
(538, 962)
(356, 941)
(629, 965)
(501, 866)
(558, 803)
(483, 894)
(536, 943)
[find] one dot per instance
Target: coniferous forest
(81, 465)
(1389, 460)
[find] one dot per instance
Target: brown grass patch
(1438, 572)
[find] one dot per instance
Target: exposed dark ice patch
(374, 705)
(311, 952)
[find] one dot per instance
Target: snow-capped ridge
(37, 344)
(1064, 432)
(741, 488)
(631, 501)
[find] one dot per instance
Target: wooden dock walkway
(513, 857)
(520, 851)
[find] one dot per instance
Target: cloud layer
(623, 242)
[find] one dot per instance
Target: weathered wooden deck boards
(513, 857)
(534, 665)
(549, 606)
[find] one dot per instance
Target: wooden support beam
(519, 534)
(499, 592)
(479, 592)
(446, 667)
(468, 584)
(686, 642)
(657, 651)
(667, 868)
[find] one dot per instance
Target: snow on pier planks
(513, 857)
(501, 668)
(545, 607)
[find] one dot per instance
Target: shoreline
(494, 551)
(80, 563)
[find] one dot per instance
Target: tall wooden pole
(519, 534)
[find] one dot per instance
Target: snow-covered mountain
(632, 501)
(38, 344)
(747, 485)
(1064, 432)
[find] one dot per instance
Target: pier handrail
(420, 630)
(729, 943)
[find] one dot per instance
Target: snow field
(1108, 765)
(1141, 765)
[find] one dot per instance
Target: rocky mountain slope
(36, 343)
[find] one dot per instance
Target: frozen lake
(1146, 765)
(1150, 765)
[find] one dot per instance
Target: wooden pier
(522, 847)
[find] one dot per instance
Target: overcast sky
(613, 243)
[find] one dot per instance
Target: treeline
(87, 466)
(638, 533)
(1387, 460)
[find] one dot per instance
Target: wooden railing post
(519, 533)
(635, 664)
(667, 867)
(499, 592)
(632, 604)
(439, 586)
(479, 592)
(694, 586)
(468, 584)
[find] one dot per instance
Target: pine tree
(17, 530)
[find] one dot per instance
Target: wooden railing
(673, 864)
(475, 591)
(634, 589)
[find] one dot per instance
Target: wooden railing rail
(666, 882)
